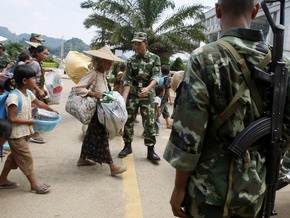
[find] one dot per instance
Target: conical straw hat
(33, 44)
(104, 53)
(2, 38)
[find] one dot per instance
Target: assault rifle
(271, 123)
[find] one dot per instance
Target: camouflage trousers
(197, 208)
(146, 106)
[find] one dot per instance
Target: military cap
(37, 36)
(139, 37)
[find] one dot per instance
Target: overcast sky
(55, 18)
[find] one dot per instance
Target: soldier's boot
(151, 155)
(126, 150)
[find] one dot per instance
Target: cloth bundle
(82, 108)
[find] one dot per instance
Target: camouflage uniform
(221, 183)
(4, 58)
(140, 71)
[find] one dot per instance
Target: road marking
(133, 208)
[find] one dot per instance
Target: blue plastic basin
(44, 125)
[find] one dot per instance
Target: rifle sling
(238, 101)
(234, 105)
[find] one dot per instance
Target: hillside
(53, 44)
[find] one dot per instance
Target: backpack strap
(16, 92)
(238, 101)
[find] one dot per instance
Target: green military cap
(37, 37)
(139, 37)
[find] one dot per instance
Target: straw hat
(33, 44)
(104, 53)
(2, 38)
(176, 79)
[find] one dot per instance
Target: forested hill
(53, 44)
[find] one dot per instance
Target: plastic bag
(54, 86)
(76, 65)
(112, 112)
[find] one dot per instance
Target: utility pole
(61, 66)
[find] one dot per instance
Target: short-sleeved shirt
(34, 64)
(21, 130)
(157, 100)
(211, 79)
(141, 70)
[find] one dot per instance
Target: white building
(261, 22)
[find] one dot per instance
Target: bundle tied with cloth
(114, 116)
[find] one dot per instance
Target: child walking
(159, 92)
(20, 156)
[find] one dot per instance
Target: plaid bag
(82, 108)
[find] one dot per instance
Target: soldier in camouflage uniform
(5, 60)
(210, 180)
(34, 41)
(142, 74)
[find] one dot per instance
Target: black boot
(126, 150)
(151, 155)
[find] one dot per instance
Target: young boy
(20, 156)
(5, 132)
(159, 92)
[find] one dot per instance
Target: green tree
(13, 49)
(117, 20)
(177, 64)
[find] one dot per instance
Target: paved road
(143, 191)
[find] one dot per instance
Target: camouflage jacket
(4, 60)
(141, 70)
(212, 78)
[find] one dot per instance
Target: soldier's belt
(140, 84)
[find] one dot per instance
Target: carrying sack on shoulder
(112, 112)
(82, 108)
(76, 65)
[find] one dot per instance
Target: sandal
(9, 185)
(44, 189)
(37, 140)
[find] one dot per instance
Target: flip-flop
(44, 189)
(10, 185)
(37, 140)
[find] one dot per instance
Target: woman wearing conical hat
(95, 147)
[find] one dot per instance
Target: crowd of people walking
(210, 180)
